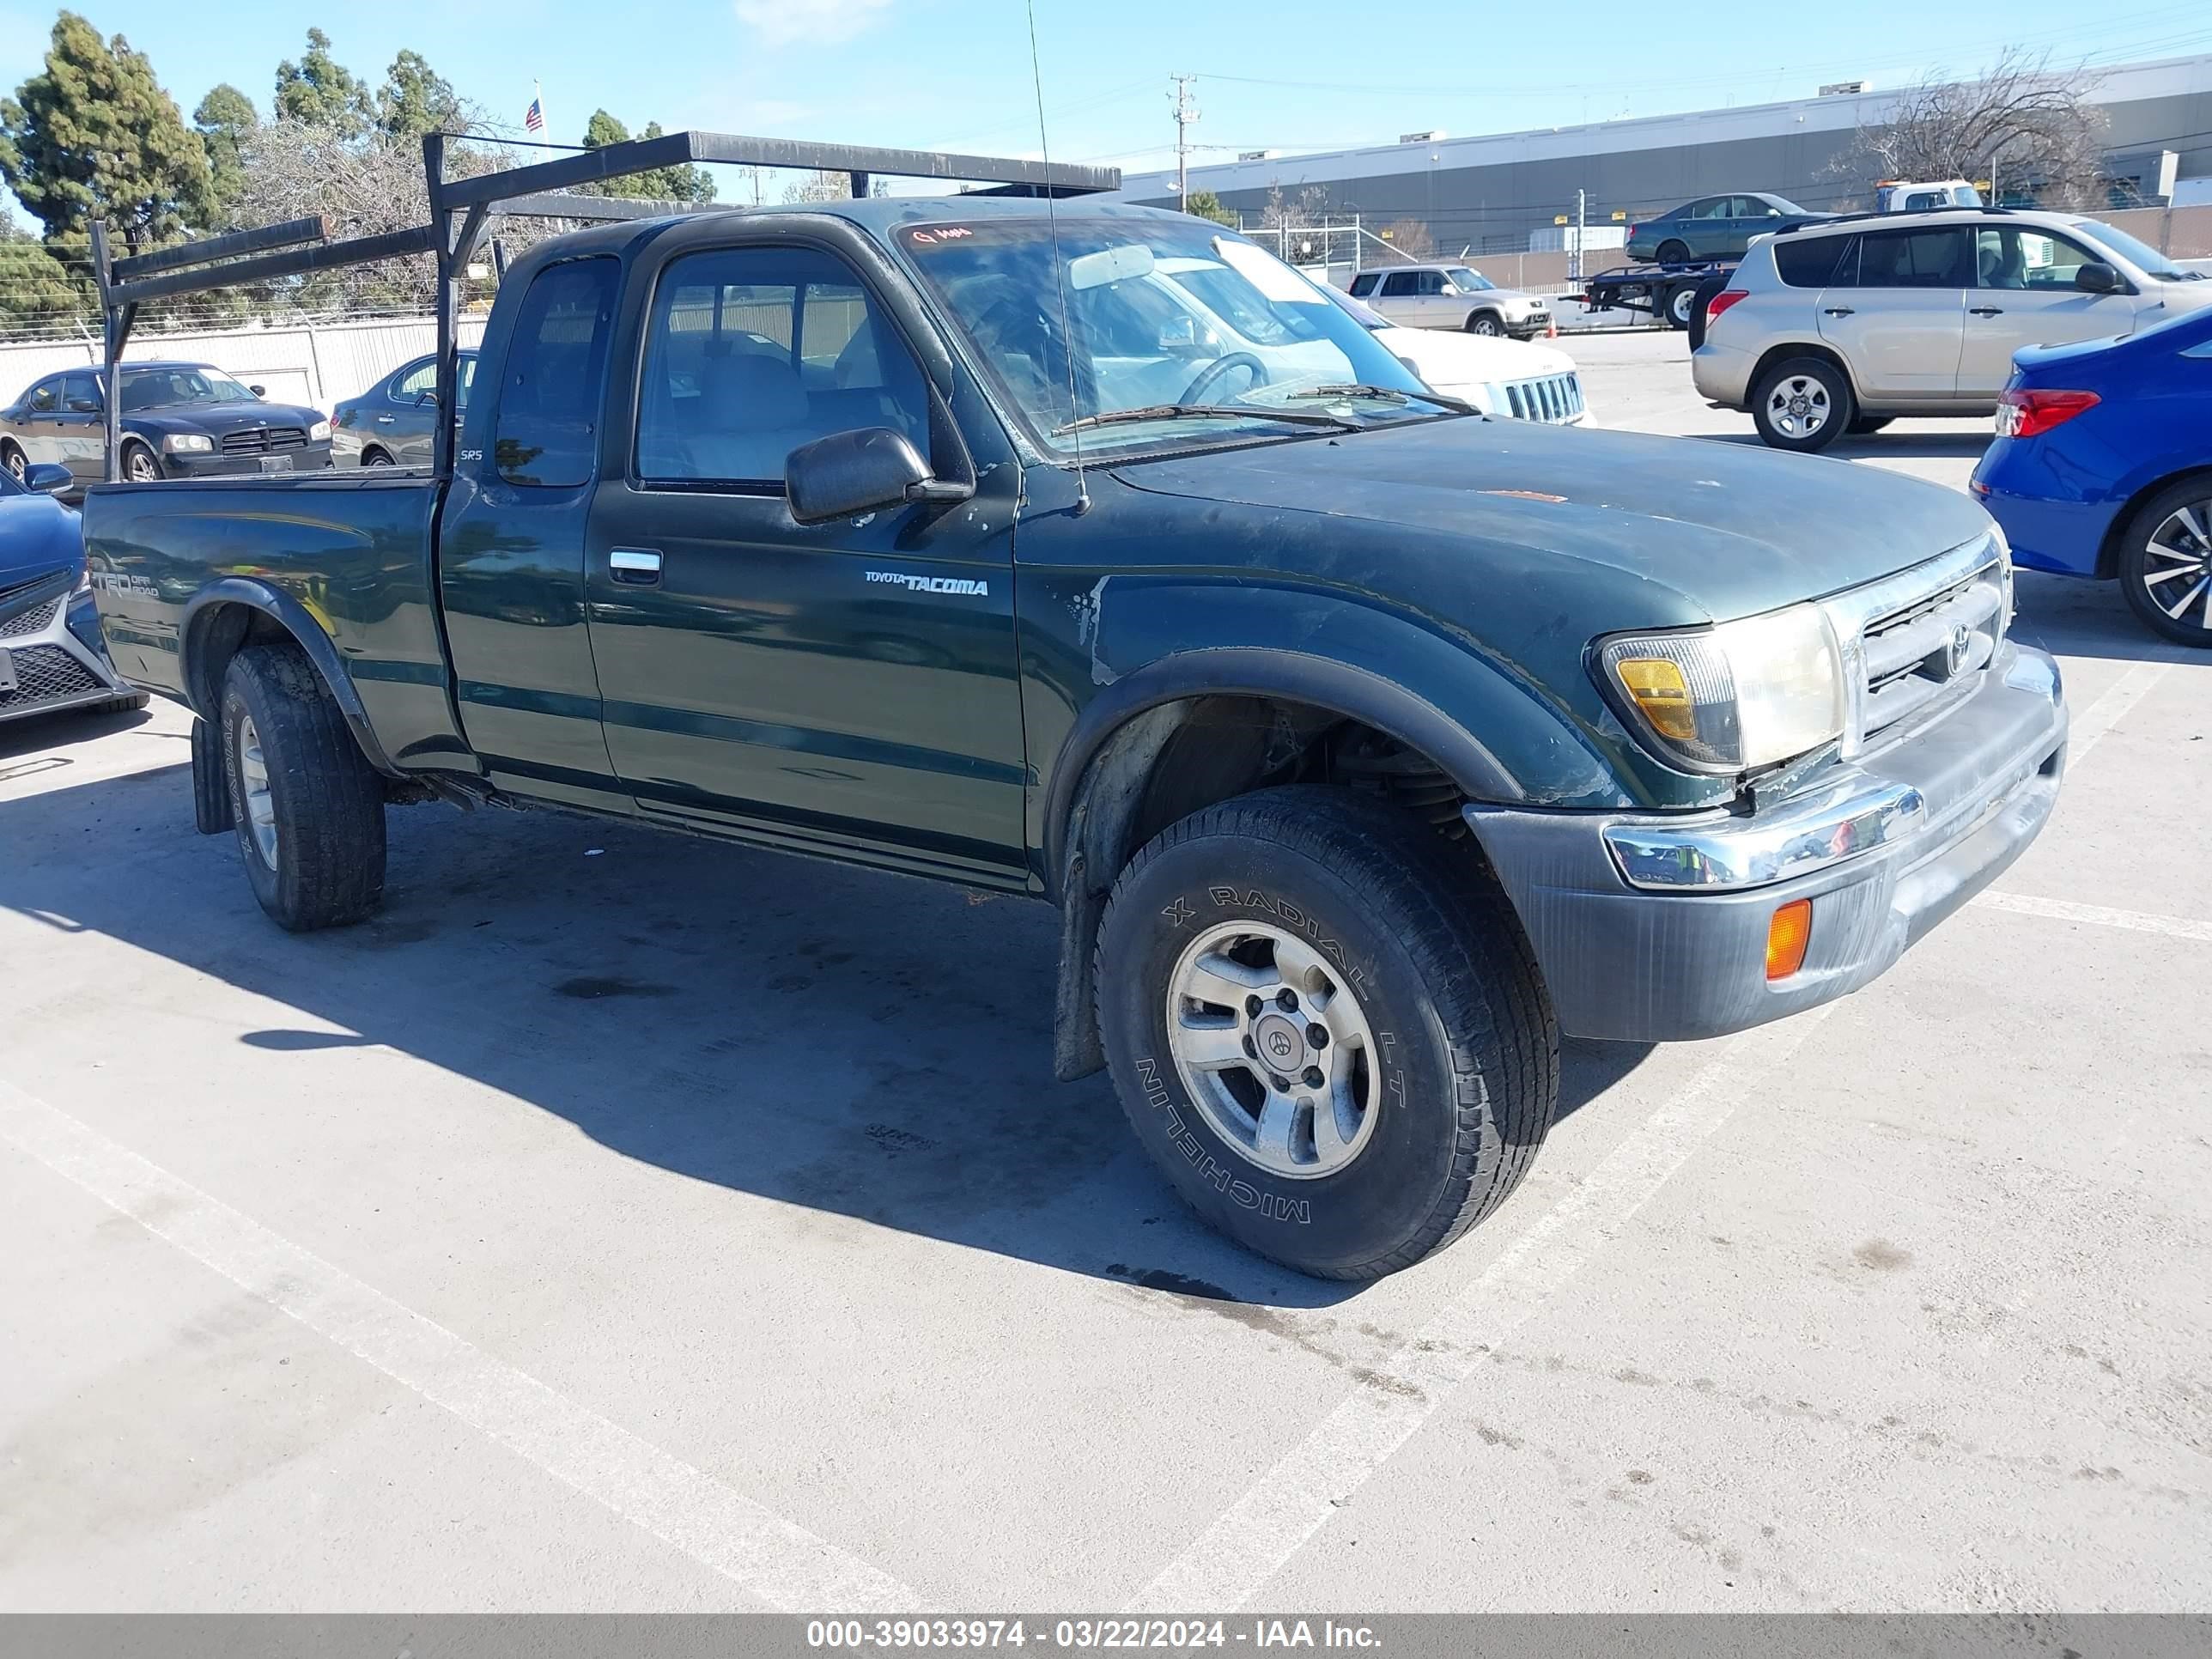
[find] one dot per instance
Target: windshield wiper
(1394, 394)
(1208, 411)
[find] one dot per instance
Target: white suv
(1845, 324)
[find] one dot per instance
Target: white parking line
(2090, 725)
(1255, 1538)
(781, 1562)
(2026, 904)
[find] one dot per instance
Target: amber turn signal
(1787, 936)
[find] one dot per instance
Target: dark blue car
(2102, 467)
(52, 655)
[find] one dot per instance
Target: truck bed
(352, 550)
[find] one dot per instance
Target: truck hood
(1729, 530)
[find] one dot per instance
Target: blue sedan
(2102, 467)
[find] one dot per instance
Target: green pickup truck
(1084, 552)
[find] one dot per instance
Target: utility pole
(1581, 234)
(1185, 113)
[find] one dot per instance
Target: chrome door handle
(1841, 310)
(638, 566)
(385, 420)
(1985, 311)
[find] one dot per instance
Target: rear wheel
(1803, 404)
(1682, 305)
(308, 807)
(374, 457)
(2166, 563)
(1485, 322)
(1326, 1028)
(12, 458)
(1672, 253)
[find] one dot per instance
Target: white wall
(315, 364)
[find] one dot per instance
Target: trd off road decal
(1216, 1173)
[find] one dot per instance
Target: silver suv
(1843, 326)
(1451, 296)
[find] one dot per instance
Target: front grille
(36, 620)
(44, 672)
(1550, 398)
(261, 440)
(1915, 640)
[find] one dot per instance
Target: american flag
(534, 118)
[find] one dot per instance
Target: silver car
(1845, 325)
(1451, 296)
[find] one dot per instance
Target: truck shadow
(825, 1036)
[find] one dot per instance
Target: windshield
(1470, 282)
(167, 388)
(1163, 313)
(2159, 267)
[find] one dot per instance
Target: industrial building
(1488, 194)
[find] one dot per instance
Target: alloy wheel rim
(141, 466)
(15, 464)
(1274, 1049)
(253, 781)
(2177, 565)
(1798, 407)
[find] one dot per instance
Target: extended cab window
(752, 352)
(1916, 259)
(548, 393)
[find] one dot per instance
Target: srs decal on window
(933, 584)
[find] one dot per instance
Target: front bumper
(51, 664)
(313, 458)
(1884, 849)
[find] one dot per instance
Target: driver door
(849, 686)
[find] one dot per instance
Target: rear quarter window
(1809, 263)
(547, 429)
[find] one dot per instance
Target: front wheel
(1682, 305)
(2166, 563)
(1326, 1028)
(1804, 404)
(1485, 323)
(139, 466)
(308, 807)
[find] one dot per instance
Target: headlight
(188, 443)
(1726, 699)
(317, 433)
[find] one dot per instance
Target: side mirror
(258, 391)
(862, 471)
(84, 405)
(2098, 277)
(48, 479)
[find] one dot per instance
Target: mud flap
(210, 790)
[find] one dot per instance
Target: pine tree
(226, 119)
(681, 183)
(94, 135)
(415, 99)
(318, 91)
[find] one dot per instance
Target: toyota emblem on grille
(1955, 649)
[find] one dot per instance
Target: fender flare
(1341, 688)
(204, 695)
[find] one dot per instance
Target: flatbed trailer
(1667, 293)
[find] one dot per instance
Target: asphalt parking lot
(620, 1223)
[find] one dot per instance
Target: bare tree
(2032, 125)
(1410, 237)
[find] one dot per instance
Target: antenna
(1058, 269)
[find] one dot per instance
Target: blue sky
(955, 74)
